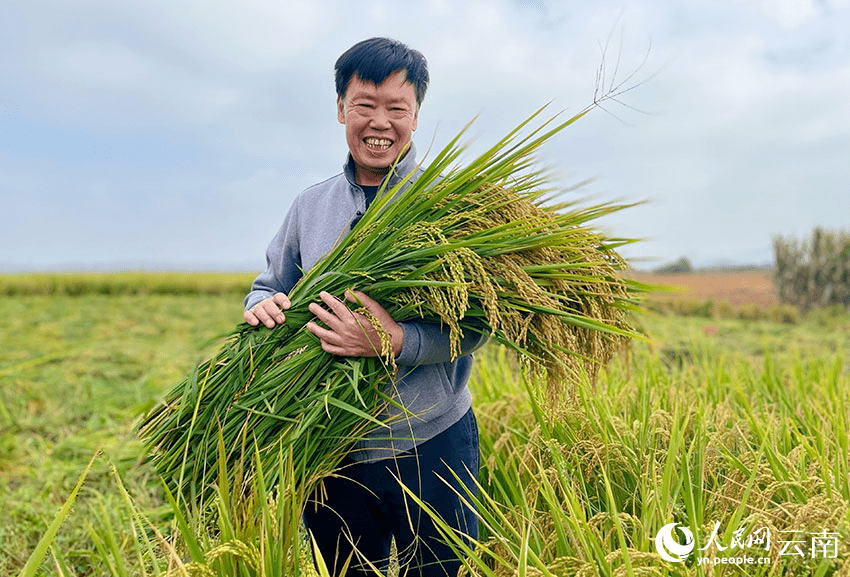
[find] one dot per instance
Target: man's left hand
(350, 334)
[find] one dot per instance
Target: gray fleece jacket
(431, 386)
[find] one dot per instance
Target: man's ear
(415, 117)
(340, 109)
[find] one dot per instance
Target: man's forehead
(396, 78)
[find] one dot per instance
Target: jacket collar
(401, 170)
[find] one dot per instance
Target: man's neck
(365, 177)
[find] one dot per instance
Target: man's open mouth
(378, 143)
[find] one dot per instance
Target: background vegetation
(681, 266)
(125, 283)
(813, 272)
(741, 421)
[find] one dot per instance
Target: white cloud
(109, 83)
(790, 13)
(750, 107)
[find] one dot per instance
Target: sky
(174, 134)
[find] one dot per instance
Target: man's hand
(268, 311)
(350, 334)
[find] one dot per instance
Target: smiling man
(379, 120)
(433, 441)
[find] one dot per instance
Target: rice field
(734, 429)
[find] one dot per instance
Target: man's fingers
(250, 318)
(324, 335)
(357, 297)
(263, 316)
(349, 333)
(324, 315)
(393, 328)
(268, 313)
(333, 349)
(339, 315)
(365, 300)
(281, 300)
(371, 304)
(336, 305)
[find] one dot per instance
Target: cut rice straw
(474, 248)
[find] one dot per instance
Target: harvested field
(744, 288)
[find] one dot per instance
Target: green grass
(819, 334)
(746, 425)
(75, 373)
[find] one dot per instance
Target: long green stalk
(473, 248)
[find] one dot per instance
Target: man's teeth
(381, 142)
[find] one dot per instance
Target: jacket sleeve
(427, 343)
(283, 261)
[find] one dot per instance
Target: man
(380, 85)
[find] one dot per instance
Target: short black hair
(375, 59)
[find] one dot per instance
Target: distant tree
(681, 266)
(813, 272)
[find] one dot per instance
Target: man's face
(379, 120)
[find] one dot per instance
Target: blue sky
(175, 134)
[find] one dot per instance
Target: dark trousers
(366, 506)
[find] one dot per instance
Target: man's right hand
(268, 311)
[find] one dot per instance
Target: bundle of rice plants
(474, 247)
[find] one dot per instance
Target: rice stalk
(474, 248)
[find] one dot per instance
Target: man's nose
(380, 119)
